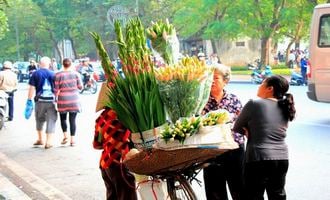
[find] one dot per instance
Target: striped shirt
(67, 85)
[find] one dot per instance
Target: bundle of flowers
(135, 97)
(211, 130)
(182, 129)
(164, 40)
(182, 87)
(212, 118)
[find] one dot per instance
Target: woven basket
(159, 161)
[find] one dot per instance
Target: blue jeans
(303, 74)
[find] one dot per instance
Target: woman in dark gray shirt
(265, 121)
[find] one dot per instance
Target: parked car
(22, 70)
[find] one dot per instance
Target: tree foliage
(36, 27)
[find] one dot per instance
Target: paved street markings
(30, 184)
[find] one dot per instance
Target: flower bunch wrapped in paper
(164, 40)
(211, 130)
(181, 129)
(182, 87)
(216, 130)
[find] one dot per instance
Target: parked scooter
(3, 107)
(256, 65)
(258, 76)
(296, 78)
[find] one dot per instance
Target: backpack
(46, 94)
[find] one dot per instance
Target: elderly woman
(226, 168)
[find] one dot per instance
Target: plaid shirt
(111, 136)
(232, 104)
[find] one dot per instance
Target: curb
(28, 185)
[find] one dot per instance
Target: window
(324, 31)
(240, 44)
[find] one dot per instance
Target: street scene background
(73, 171)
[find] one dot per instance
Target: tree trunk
(60, 52)
(265, 47)
(73, 48)
(287, 52)
(55, 45)
(214, 46)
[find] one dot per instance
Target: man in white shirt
(8, 83)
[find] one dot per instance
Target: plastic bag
(152, 189)
(28, 109)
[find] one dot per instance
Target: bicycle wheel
(178, 188)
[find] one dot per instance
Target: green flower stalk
(107, 66)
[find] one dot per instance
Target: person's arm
(241, 123)
(32, 88)
(56, 86)
(79, 82)
(31, 92)
(16, 84)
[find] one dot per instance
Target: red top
(67, 85)
(112, 137)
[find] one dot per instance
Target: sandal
(38, 142)
(72, 144)
(64, 141)
(48, 146)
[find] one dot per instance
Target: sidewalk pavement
(18, 183)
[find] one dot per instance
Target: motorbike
(258, 76)
(255, 66)
(90, 83)
(3, 107)
(296, 79)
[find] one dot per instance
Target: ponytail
(287, 106)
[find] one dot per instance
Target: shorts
(46, 112)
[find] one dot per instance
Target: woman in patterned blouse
(228, 166)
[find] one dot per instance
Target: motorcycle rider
(85, 70)
(32, 67)
(8, 83)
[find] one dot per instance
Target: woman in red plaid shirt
(113, 138)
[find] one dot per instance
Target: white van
(319, 50)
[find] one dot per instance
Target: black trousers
(72, 122)
(10, 105)
(119, 182)
(227, 168)
(266, 175)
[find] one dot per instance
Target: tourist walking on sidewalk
(265, 121)
(8, 83)
(42, 88)
(226, 168)
(67, 86)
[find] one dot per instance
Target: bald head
(45, 62)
